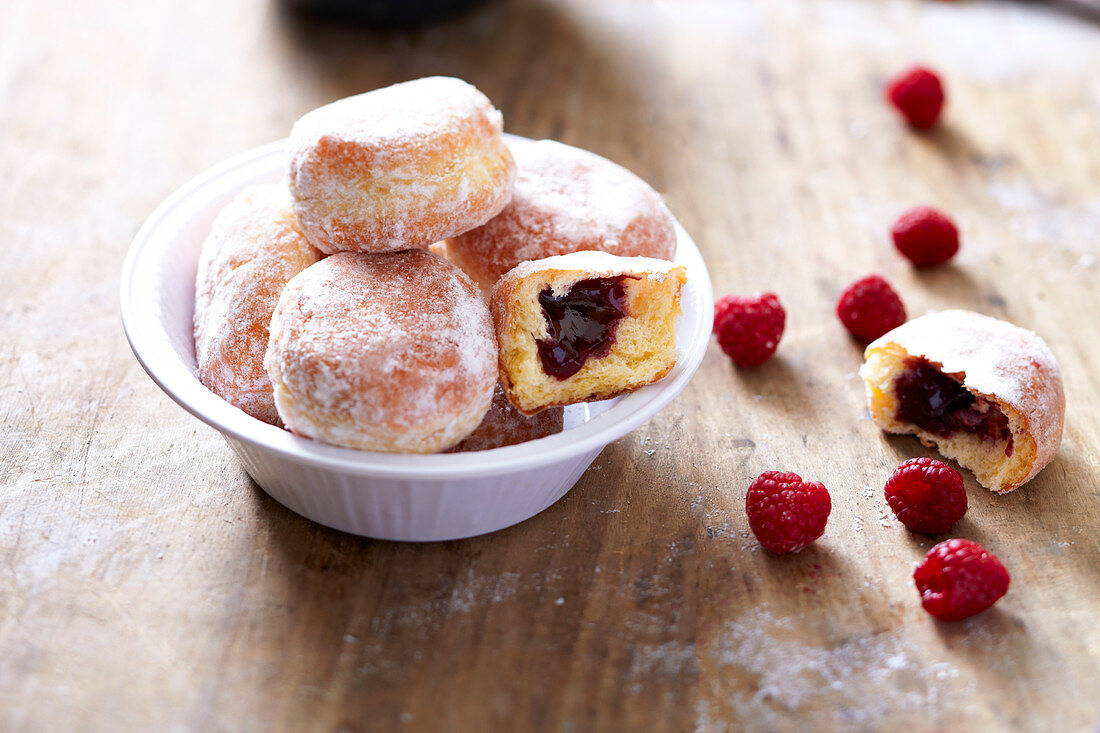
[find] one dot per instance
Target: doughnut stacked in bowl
(357, 369)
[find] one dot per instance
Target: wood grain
(147, 584)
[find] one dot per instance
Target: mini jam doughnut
(585, 326)
(505, 425)
(400, 167)
(982, 391)
(254, 248)
(390, 352)
(566, 200)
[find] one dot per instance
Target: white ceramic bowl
(387, 496)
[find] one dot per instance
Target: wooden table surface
(147, 584)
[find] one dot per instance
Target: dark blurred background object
(391, 13)
(1091, 7)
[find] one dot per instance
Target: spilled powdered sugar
(1038, 216)
(766, 678)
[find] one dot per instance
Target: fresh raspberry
(785, 512)
(918, 95)
(749, 329)
(926, 495)
(925, 236)
(870, 308)
(959, 578)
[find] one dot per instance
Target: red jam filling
(939, 404)
(581, 324)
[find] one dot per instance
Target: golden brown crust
(505, 425)
(254, 248)
(390, 352)
(400, 167)
(594, 395)
(644, 349)
(566, 200)
(1008, 366)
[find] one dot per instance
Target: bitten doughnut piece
(565, 200)
(585, 326)
(982, 391)
(390, 352)
(254, 248)
(400, 167)
(505, 425)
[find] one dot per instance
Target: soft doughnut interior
(1000, 462)
(640, 349)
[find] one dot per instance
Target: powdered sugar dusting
(254, 249)
(564, 200)
(999, 360)
(592, 264)
(576, 195)
(399, 167)
(391, 352)
(385, 121)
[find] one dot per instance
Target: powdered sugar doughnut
(399, 167)
(565, 200)
(389, 352)
(255, 247)
(505, 425)
(982, 391)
